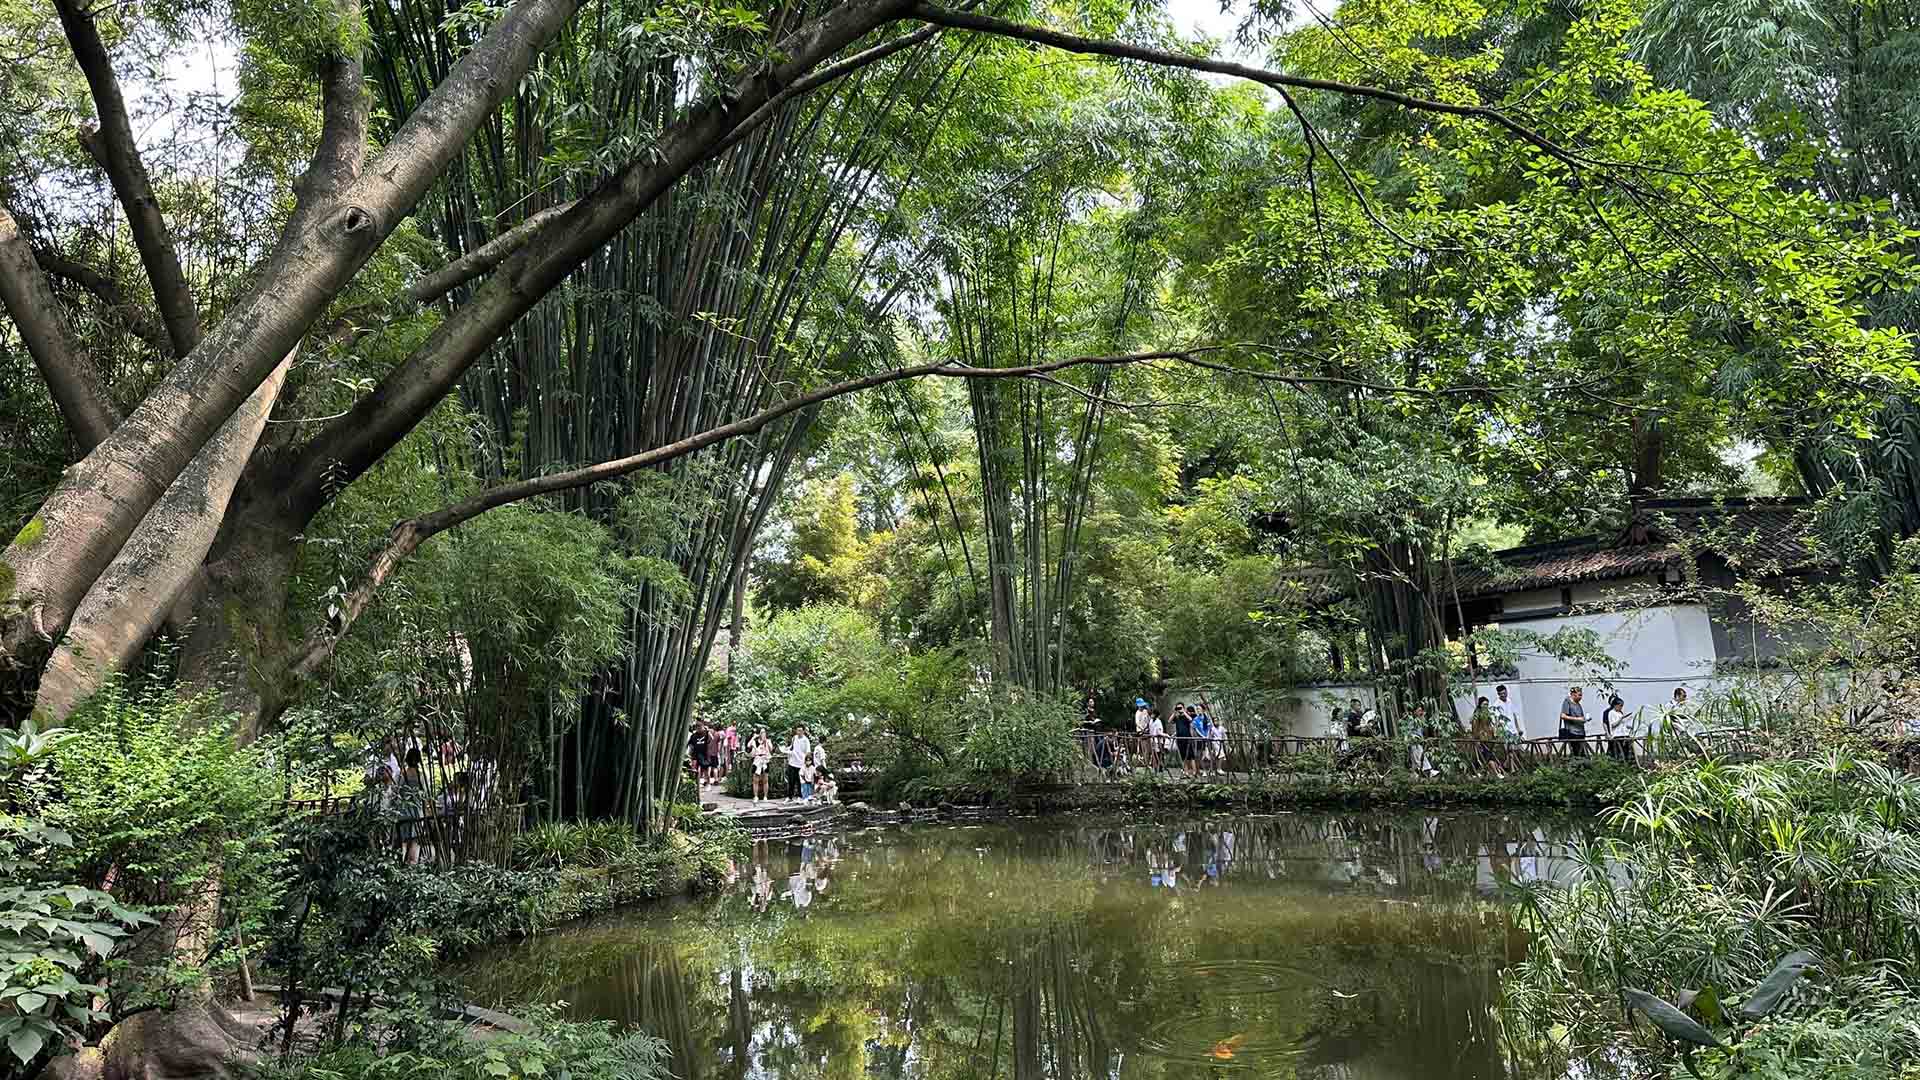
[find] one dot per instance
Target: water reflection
(1287, 946)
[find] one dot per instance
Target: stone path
(733, 807)
(774, 817)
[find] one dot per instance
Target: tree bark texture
(84, 522)
(130, 600)
(70, 375)
(113, 147)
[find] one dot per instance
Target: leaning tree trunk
(158, 562)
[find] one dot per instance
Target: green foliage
(553, 846)
(1019, 738)
(824, 558)
(822, 666)
(54, 940)
(162, 804)
(1245, 627)
(404, 1046)
(491, 630)
(1719, 872)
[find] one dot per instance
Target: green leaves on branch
(53, 938)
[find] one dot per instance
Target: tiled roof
(1545, 566)
(1744, 532)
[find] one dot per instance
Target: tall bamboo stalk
(710, 307)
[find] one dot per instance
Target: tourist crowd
(1195, 740)
(712, 752)
(428, 792)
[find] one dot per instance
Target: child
(826, 787)
(808, 773)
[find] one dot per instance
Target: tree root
(199, 1041)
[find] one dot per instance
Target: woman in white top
(761, 748)
(1619, 724)
(799, 753)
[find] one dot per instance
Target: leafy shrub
(806, 667)
(1720, 871)
(408, 1046)
(1019, 738)
(53, 940)
(185, 824)
(595, 843)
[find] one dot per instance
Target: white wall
(1658, 648)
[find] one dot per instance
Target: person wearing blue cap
(1141, 714)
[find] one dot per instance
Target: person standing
(1183, 740)
(1573, 723)
(1680, 712)
(1420, 733)
(799, 753)
(700, 749)
(760, 748)
(1141, 714)
(1355, 720)
(1481, 729)
(1219, 727)
(1156, 739)
(1619, 726)
(1507, 711)
(412, 803)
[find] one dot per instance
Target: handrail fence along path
(1116, 756)
(445, 838)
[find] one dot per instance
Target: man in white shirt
(1508, 710)
(799, 752)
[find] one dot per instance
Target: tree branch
(406, 537)
(102, 498)
(112, 146)
(495, 251)
(69, 374)
(351, 444)
(483, 258)
(132, 317)
(987, 24)
(342, 150)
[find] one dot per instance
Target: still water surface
(1293, 945)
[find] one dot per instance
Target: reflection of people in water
(1156, 867)
(762, 887)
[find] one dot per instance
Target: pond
(1297, 945)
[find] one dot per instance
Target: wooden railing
(443, 838)
(1112, 756)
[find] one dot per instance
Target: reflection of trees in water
(950, 955)
(1399, 855)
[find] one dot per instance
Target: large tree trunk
(82, 525)
(129, 601)
(237, 644)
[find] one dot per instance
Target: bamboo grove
(454, 274)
